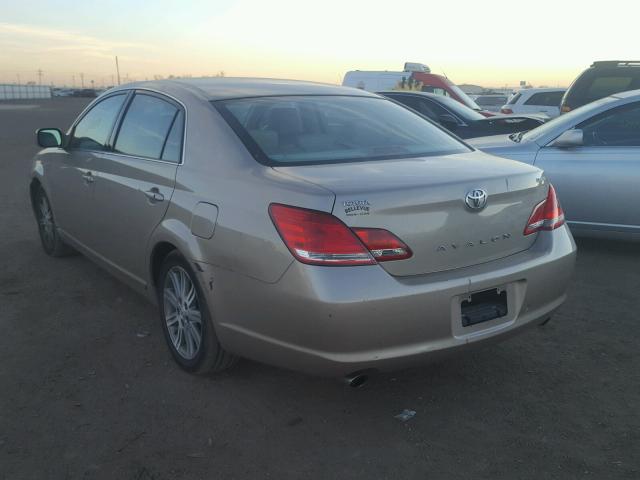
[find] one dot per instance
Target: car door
(136, 180)
(597, 183)
(72, 176)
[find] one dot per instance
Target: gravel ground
(88, 390)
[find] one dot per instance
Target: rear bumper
(334, 321)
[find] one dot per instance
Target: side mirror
(569, 139)
(49, 137)
(448, 121)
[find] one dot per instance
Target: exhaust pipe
(357, 379)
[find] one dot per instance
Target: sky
(489, 42)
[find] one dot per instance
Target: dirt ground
(88, 389)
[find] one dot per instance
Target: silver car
(592, 156)
(309, 226)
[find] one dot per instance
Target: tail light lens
(383, 244)
(319, 238)
(547, 215)
(506, 111)
(565, 109)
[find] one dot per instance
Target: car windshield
(562, 122)
(332, 129)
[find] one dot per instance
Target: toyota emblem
(476, 199)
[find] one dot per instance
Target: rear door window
(173, 147)
(145, 127)
(94, 129)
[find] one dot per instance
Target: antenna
(118, 70)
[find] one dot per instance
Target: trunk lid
(422, 201)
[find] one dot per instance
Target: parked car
(491, 102)
(461, 120)
(600, 80)
(373, 81)
(62, 92)
(85, 92)
(592, 156)
(535, 100)
(309, 226)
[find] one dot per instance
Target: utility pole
(82, 80)
(40, 72)
(18, 78)
(73, 81)
(118, 70)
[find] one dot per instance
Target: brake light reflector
(383, 244)
(318, 238)
(547, 215)
(506, 111)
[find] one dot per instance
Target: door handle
(154, 195)
(88, 177)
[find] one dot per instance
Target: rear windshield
(597, 83)
(332, 129)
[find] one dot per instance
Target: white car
(535, 100)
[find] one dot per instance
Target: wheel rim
(45, 222)
(182, 313)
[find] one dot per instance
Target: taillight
(565, 109)
(506, 111)
(319, 238)
(383, 244)
(547, 215)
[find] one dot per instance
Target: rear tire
(52, 243)
(186, 322)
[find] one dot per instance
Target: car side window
(545, 99)
(432, 110)
(145, 127)
(173, 147)
(93, 130)
(619, 127)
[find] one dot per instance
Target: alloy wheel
(182, 312)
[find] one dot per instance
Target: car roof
(225, 88)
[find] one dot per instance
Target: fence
(17, 92)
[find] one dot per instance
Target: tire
(186, 321)
(52, 243)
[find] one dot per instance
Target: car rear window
(605, 86)
(595, 83)
(332, 129)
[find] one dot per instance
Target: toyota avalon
(314, 227)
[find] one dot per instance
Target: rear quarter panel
(218, 170)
